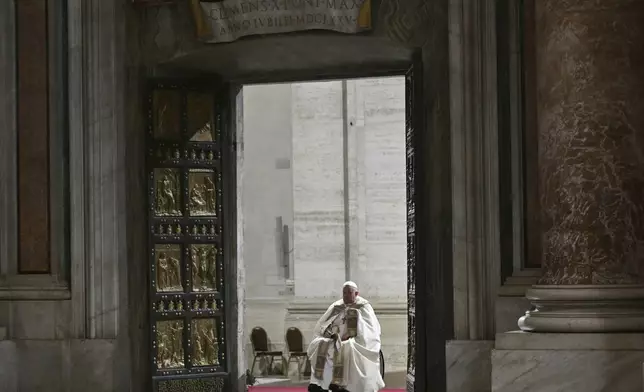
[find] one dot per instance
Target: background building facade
(324, 202)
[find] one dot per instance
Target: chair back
(294, 340)
(259, 339)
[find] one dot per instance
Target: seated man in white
(345, 351)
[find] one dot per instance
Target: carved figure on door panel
(167, 193)
(204, 267)
(170, 344)
(168, 269)
(206, 346)
(211, 349)
(203, 198)
(166, 114)
(197, 199)
(210, 194)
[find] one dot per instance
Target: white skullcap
(350, 284)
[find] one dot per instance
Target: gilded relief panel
(168, 267)
(166, 114)
(201, 115)
(205, 344)
(169, 341)
(167, 192)
(202, 192)
(204, 267)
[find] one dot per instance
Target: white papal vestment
(355, 363)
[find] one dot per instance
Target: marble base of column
(585, 308)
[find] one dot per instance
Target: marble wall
(65, 329)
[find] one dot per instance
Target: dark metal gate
(186, 166)
(412, 139)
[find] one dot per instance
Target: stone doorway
(220, 303)
(321, 200)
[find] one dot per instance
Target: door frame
(434, 296)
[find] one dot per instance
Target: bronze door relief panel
(186, 260)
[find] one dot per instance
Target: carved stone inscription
(228, 20)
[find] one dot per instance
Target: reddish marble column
(590, 83)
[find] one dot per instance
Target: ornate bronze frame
(412, 77)
(197, 231)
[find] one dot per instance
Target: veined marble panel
(566, 371)
(69, 365)
(8, 366)
(468, 365)
(531, 362)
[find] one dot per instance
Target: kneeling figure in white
(345, 350)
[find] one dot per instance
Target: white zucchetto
(350, 284)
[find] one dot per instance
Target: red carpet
(266, 388)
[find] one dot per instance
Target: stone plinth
(598, 362)
(585, 308)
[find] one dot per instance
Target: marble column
(590, 77)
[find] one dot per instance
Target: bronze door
(187, 165)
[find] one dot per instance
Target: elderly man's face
(349, 294)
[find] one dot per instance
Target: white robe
(360, 356)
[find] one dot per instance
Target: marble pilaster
(590, 72)
(318, 186)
